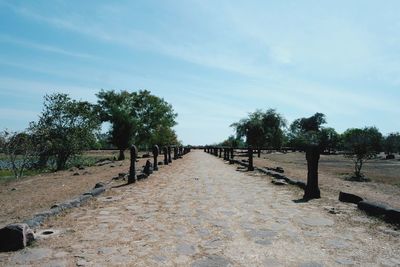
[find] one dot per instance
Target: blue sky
(214, 61)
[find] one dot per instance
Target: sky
(214, 61)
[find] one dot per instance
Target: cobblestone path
(201, 211)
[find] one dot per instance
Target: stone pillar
(132, 169)
(231, 150)
(169, 154)
(312, 190)
(155, 155)
(175, 153)
(165, 150)
(220, 152)
(250, 153)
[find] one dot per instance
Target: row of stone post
(178, 151)
(228, 153)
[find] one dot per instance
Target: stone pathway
(200, 211)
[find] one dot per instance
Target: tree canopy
(361, 145)
(138, 117)
(65, 128)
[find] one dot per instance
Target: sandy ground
(201, 211)
(333, 169)
(20, 199)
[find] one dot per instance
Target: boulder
(390, 156)
(392, 216)
(349, 198)
(371, 208)
(15, 236)
(100, 184)
(279, 182)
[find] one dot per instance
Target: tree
(234, 142)
(261, 129)
(329, 139)
(65, 128)
(391, 143)
(306, 131)
(361, 145)
(19, 148)
(138, 117)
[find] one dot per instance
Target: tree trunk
(259, 152)
(312, 190)
(121, 155)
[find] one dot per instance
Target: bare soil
(21, 199)
(334, 171)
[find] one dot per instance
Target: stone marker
(132, 169)
(165, 150)
(250, 154)
(155, 155)
(148, 168)
(312, 189)
(15, 236)
(169, 154)
(175, 153)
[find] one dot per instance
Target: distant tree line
(268, 130)
(66, 127)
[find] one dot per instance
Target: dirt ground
(201, 211)
(21, 199)
(384, 186)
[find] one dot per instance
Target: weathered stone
(76, 174)
(371, 208)
(344, 261)
(311, 264)
(141, 176)
(132, 168)
(312, 190)
(392, 216)
(101, 184)
(15, 236)
(212, 261)
(148, 168)
(350, 198)
(279, 182)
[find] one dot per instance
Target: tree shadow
(301, 200)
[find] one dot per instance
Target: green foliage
(19, 149)
(65, 128)
(307, 131)
(233, 141)
(361, 145)
(261, 129)
(391, 143)
(137, 117)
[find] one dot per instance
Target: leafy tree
(233, 141)
(65, 128)
(261, 129)
(138, 117)
(329, 139)
(19, 148)
(306, 131)
(391, 143)
(361, 145)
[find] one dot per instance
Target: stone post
(132, 169)
(231, 150)
(155, 155)
(169, 154)
(175, 153)
(165, 150)
(250, 153)
(220, 152)
(312, 190)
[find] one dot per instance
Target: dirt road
(201, 211)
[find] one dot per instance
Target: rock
(392, 216)
(371, 208)
(81, 168)
(122, 175)
(279, 169)
(76, 174)
(85, 173)
(344, 261)
(15, 236)
(212, 261)
(349, 198)
(95, 191)
(141, 176)
(160, 163)
(146, 155)
(13, 189)
(279, 182)
(301, 184)
(99, 184)
(112, 166)
(103, 162)
(390, 157)
(148, 168)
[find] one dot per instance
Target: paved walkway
(200, 211)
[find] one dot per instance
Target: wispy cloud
(43, 47)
